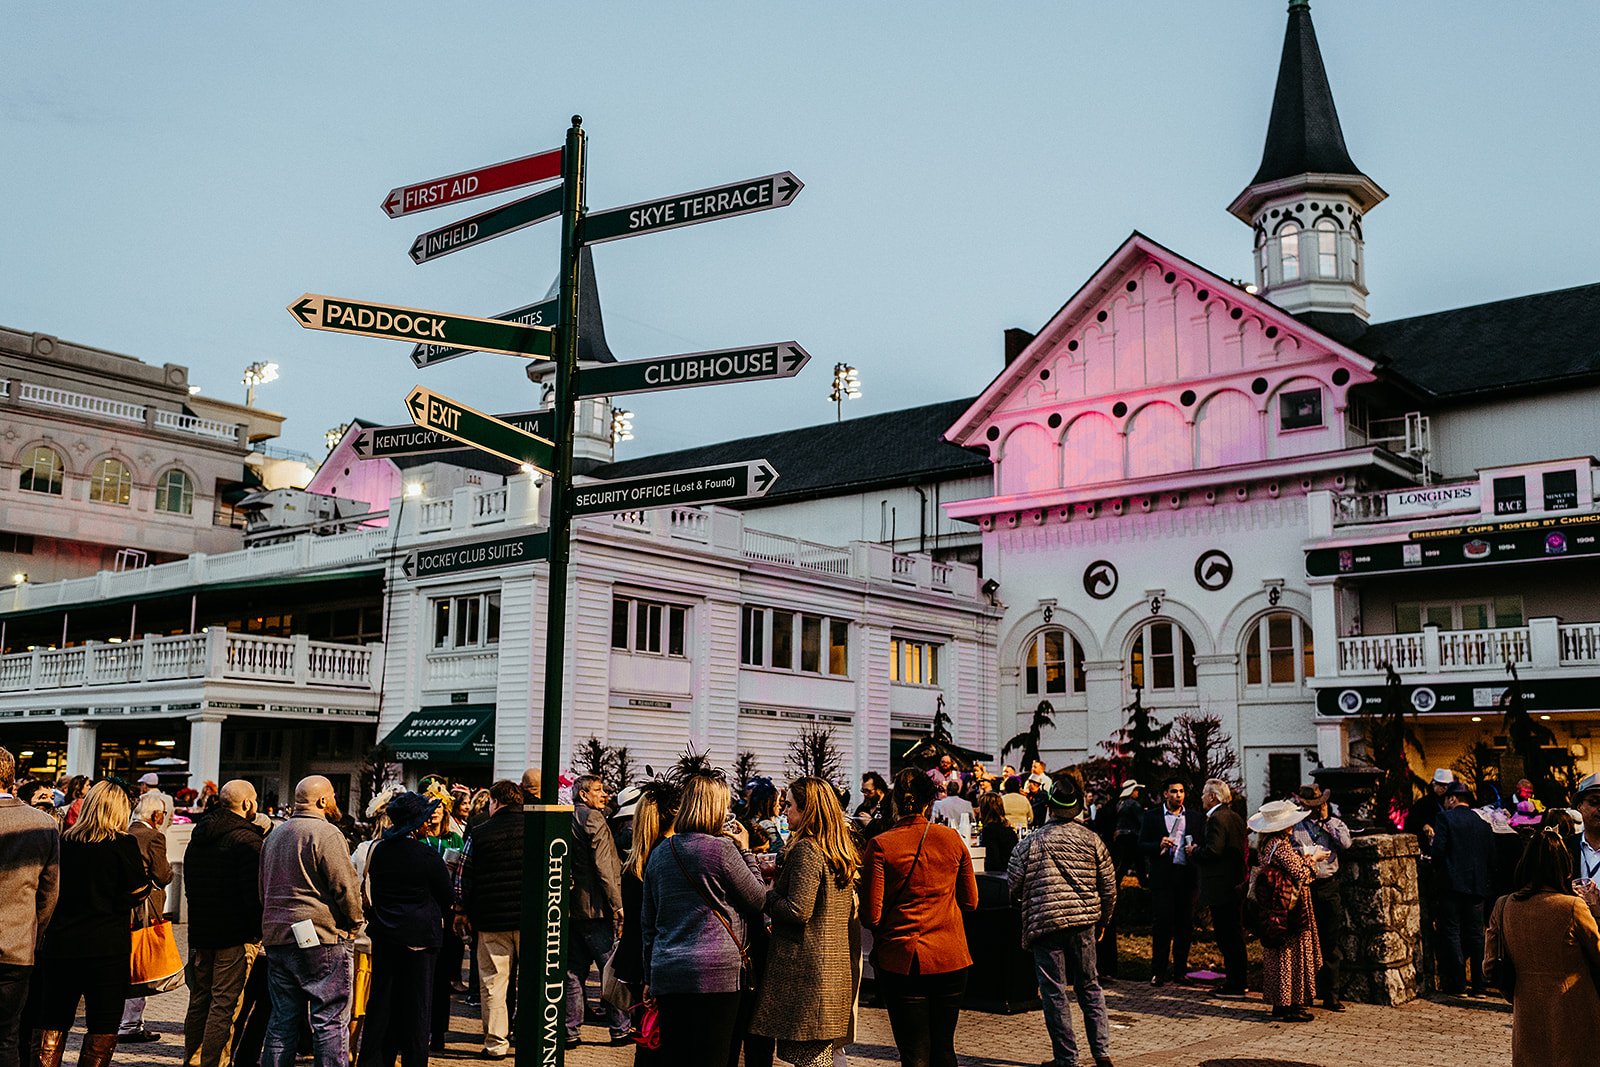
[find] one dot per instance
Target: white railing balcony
(1543, 644)
(102, 407)
(1580, 642)
(489, 506)
(213, 655)
(477, 668)
(776, 548)
(194, 424)
(1471, 649)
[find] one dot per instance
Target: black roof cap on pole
(592, 347)
(1303, 134)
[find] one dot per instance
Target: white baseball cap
(149, 779)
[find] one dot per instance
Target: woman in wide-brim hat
(1291, 953)
(407, 896)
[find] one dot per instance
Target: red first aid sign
(471, 184)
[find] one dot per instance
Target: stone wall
(1383, 919)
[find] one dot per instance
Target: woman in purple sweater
(700, 885)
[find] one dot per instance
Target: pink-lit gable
(349, 477)
(1158, 366)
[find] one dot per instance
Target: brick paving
(1171, 1027)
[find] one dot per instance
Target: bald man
(307, 879)
(221, 884)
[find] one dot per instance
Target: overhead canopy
(452, 733)
(928, 750)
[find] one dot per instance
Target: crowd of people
(738, 920)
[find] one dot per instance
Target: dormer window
(1327, 248)
(1289, 250)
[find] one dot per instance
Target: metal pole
(541, 1015)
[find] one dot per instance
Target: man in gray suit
(596, 902)
(149, 828)
(30, 861)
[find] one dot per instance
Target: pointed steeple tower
(591, 438)
(1308, 201)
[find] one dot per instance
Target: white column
(1333, 743)
(83, 752)
(205, 748)
(1325, 628)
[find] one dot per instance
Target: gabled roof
(1524, 342)
(894, 448)
(1303, 134)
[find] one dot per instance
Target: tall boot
(48, 1045)
(97, 1050)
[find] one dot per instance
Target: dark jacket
(100, 884)
(221, 881)
(1220, 858)
(596, 870)
(1461, 851)
(410, 893)
(1061, 877)
(1163, 871)
(491, 872)
(153, 847)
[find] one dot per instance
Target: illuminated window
(1278, 651)
(175, 493)
(823, 646)
(913, 662)
(1053, 663)
(41, 471)
(1162, 658)
(1289, 250)
(1327, 248)
(110, 483)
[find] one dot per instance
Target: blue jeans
(318, 978)
(1069, 956)
(588, 944)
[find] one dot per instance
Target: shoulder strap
(698, 888)
(906, 883)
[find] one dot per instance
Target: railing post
(33, 668)
(461, 509)
(147, 655)
(1430, 649)
(90, 675)
(375, 666)
(1544, 643)
(216, 652)
(302, 658)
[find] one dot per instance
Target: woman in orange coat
(918, 882)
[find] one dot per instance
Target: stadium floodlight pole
(541, 1015)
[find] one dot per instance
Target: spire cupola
(1308, 200)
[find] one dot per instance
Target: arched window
(1289, 250)
(110, 483)
(1278, 651)
(1261, 257)
(41, 470)
(1327, 248)
(1162, 658)
(1053, 663)
(175, 493)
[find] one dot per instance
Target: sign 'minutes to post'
(483, 432)
(702, 485)
(541, 314)
(687, 209)
(781, 360)
(366, 319)
(471, 184)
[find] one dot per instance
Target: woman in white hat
(1281, 889)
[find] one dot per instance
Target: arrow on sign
(517, 215)
(337, 315)
(483, 432)
(471, 184)
(501, 552)
(781, 360)
(540, 314)
(382, 442)
(702, 485)
(686, 209)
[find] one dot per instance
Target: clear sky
(174, 174)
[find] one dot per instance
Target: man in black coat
(490, 905)
(1221, 862)
(1167, 830)
(1459, 847)
(221, 880)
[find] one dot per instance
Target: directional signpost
(541, 314)
(487, 226)
(366, 319)
(499, 552)
(702, 485)
(386, 442)
(765, 362)
(686, 209)
(471, 184)
(484, 432)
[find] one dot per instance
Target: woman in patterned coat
(1291, 953)
(808, 990)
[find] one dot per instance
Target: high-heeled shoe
(97, 1050)
(48, 1045)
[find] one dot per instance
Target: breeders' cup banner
(1457, 546)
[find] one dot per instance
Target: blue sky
(175, 174)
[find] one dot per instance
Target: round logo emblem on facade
(1100, 579)
(1213, 569)
(1349, 701)
(1423, 698)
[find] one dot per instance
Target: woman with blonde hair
(701, 885)
(808, 989)
(84, 952)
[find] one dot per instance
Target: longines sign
(1433, 500)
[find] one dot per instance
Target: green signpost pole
(541, 1018)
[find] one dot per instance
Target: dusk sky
(175, 174)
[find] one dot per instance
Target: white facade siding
(1511, 430)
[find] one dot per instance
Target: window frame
(185, 491)
(652, 631)
(29, 470)
(1327, 230)
(915, 660)
(762, 628)
(98, 481)
(1034, 659)
(1288, 237)
(1181, 653)
(454, 626)
(1490, 603)
(1288, 423)
(1256, 653)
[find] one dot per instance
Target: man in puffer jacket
(1062, 878)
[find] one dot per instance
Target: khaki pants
(497, 955)
(216, 978)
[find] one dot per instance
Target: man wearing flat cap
(1322, 838)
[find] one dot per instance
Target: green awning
(451, 733)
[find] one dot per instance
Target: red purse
(646, 1025)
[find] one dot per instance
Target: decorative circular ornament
(1213, 570)
(1100, 579)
